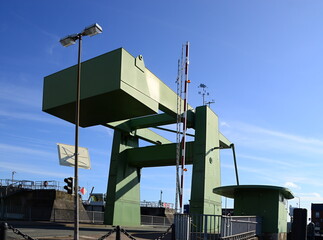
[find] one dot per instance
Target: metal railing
(156, 220)
(214, 227)
(8, 184)
(47, 214)
(156, 204)
(67, 215)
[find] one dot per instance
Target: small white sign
(66, 156)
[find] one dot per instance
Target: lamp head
(69, 40)
(92, 30)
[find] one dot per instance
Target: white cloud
(23, 150)
(264, 159)
(20, 95)
(31, 117)
(259, 138)
(224, 124)
(310, 197)
(36, 170)
(291, 185)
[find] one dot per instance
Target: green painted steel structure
(119, 92)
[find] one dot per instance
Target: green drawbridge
(119, 92)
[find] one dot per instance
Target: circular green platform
(230, 191)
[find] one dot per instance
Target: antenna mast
(203, 92)
(178, 127)
(184, 120)
(181, 120)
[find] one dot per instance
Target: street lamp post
(67, 41)
(12, 174)
(299, 201)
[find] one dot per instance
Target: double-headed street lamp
(67, 41)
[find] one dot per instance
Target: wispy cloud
(18, 94)
(23, 150)
(285, 136)
(36, 170)
(224, 124)
(32, 25)
(311, 197)
(29, 116)
(266, 139)
(291, 185)
(266, 160)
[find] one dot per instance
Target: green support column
(206, 164)
(123, 193)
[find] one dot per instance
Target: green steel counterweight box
(114, 86)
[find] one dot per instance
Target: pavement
(65, 231)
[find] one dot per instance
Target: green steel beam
(158, 120)
(166, 97)
(150, 136)
(149, 121)
(157, 156)
(173, 131)
(224, 142)
(123, 192)
(206, 164)
(143, 134)
(143, 122)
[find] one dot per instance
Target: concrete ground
(62, 231)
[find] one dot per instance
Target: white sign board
(66, 156)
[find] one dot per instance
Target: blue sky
(262, 62)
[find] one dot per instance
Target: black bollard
(173, 232)
(3, 231)
(118, 230)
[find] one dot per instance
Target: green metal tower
(119, 92)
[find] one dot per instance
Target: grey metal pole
(3, 231)
(77, 124)
(235, 163)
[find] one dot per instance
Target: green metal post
(206, 164)
(123, 193)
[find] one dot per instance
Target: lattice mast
(184, 124)
(178, 127)
(181, 126)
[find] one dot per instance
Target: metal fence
(213, 227)
(156, 204)
(67, 215)
(46, 214)
(9, 184)
(156, 220)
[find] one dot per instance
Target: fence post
(3, 231)
(205, 227)
(248, 226)
(173, 232)
(30, 218)
(117, 233)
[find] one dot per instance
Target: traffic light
(69, 185)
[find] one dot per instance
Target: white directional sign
(66, 156)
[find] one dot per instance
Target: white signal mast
(181, 120)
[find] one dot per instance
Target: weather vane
(204, 93)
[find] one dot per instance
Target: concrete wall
(39, 204)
